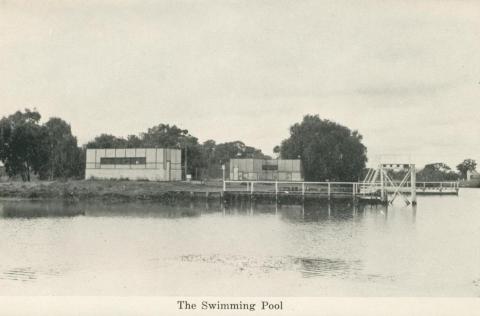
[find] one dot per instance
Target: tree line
(204, 159)
(328, 151)
(50, 151)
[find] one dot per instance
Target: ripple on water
(26, 274)
(312, 267)
(308, 267)
(19, 274)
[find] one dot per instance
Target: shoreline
(125, 191)
(107, 190)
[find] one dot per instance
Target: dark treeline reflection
(313, 211)
(35, 209)
(306, 212)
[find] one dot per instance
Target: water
(51, 248)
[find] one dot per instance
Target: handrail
(287, 182)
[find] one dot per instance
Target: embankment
(108, 190)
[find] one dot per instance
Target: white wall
(155, 168)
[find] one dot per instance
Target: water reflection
(309, 211)
(38, 209)
(314, 267)
(306, 212)
(34, 209)
(147, 248)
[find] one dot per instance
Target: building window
(270, 167)
(123, 161)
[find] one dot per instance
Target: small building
(266, 169)
(155, 164)
(473, 175)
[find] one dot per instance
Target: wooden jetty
(361, 191)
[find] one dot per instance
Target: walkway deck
(332, 190)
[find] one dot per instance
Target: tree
(237, 149)
(209, 151)
(133, 141)
(107, 141)
(466, 165)
(329, 151)
(166, 136)
(436, 172)
(22, 144)
(63, 153)
(201, 159)
(276, 151)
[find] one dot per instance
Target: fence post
(354, 190)
(251, 188)
(223, 177)
(276, 191)
(303, 188)
(413, 184)
(329, 190)
(382, 185)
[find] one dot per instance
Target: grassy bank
(106, 190)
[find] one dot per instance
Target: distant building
(155, 164)
(266, 169)
(473, 175)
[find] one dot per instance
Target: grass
(103, 189)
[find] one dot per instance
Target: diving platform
(376, 187)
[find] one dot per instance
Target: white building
(473, 175)
(266, 169)
(155, 164)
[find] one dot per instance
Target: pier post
(413, 184)
(251, 188)
(223, 177)
(276, 191)
(382, 185)
(329, 191)
(354, 190)
(303, 191)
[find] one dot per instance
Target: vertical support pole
(251, 188)
(329, 192)
(185, 161)
(382, 184)
(276, 191)
(354, 188)
(223, 177)
(303, 196)
(413, 184)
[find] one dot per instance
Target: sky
(405, 74)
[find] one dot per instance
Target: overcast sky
(406, 75)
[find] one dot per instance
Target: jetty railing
(343, 189)
(335, 189)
